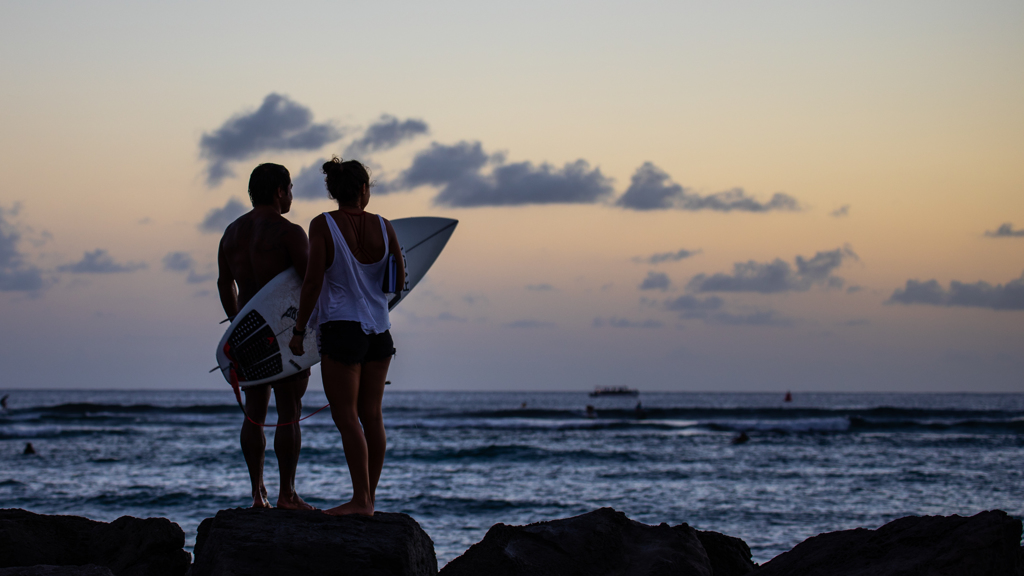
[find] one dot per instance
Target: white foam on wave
(830, 424)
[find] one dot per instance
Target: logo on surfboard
(292, 312)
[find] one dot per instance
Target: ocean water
(460, 462)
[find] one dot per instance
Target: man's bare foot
(260, 502)
(293, 503)
(351, 508)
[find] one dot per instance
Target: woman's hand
(296, 345)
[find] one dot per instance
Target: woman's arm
(396, 249)
(313, 281)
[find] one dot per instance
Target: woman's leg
(371, 394)
(341, 385)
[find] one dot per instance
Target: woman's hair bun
(345, 179)
(333, 164)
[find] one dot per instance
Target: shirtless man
(254, 249)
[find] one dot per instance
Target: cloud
(540, 287)
(1005, 231)
(474, 298)
(386, 133)
(184, 262)
(217, 220)
(279, 124)
(457, 170)
(528, 324)
(614, 322)
(178, 261)
(100, 261)
(694, 307)
(667, 256)
(1009, 296)
(16, 275)
(763, 318)
(309, 183)
(841, 212)
(710, 310)
(198, 278)
(655, 281)
(439, 165)
(777, 276)
(652, 189)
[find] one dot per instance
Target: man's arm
(226, 283)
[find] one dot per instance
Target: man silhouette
(255, 248)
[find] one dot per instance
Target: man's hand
(296, 345)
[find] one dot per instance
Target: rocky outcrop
(305, 542)
(986, 544)
(127, 546)
(729, 556)
(600, 542)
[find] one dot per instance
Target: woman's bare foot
(260, 502)
(351, 508)
(293, 503)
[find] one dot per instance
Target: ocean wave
(509, 453)
(23, 432)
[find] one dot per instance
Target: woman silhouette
(349, 252)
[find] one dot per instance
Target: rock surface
(597, 543)
(729, 556)
(46, 570)
(984, 544)
(283, 542)
(127, 546)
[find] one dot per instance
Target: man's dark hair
(264, 182)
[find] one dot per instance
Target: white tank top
(352, 290)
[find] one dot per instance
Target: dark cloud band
(1009, 296)
(16, 274)
(385, 134)
(777, 275)
(278, 125)
(651, 188)
(100, 261)
(217, 220)
(1005, 231)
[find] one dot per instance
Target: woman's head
(346, 180)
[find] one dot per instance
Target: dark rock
(127, 546)
(600, 542)
(984, 544)
(48, 570)
(282, 542)
(729, 556)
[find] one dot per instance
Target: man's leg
(371, 394)
(288, 440)
(254, 443)
(341, 385)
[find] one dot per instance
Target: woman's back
(362, 233)
(352, 280)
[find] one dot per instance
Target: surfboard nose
(422, 239)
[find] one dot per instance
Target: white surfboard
(255, 345)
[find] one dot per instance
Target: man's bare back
(254, 249)
(257, 247)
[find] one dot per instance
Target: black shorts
(344, 341)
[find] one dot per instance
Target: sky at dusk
(670, 196)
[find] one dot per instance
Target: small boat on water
(615, 391)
